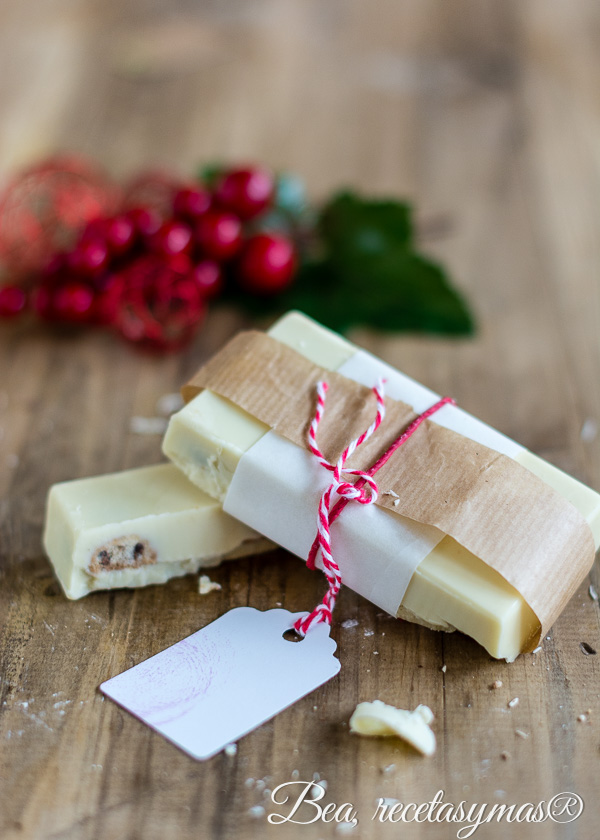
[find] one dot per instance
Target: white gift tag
(225, 680)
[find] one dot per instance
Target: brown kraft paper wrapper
(490, 504)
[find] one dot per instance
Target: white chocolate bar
(138, 527)
(451, 588)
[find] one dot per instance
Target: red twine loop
(364, 491)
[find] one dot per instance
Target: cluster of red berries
(151, 277)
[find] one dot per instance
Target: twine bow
(364, 491)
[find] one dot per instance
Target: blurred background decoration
(146, 257)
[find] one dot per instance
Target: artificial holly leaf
(351, 225)
(400, 291)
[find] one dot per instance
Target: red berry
(146, 221)
(107, 301)
(191, 202)
(73, 302)
(120, 234)
(13, 301)
(246, 192)
(173, 238)
(181, 263)
(219, 234)
(95, 229)
(267, 264)
(208, 278)
(88, 258)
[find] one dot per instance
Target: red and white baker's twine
(364, 491)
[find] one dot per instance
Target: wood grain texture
(487, 115)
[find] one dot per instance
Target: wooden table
(487, 115)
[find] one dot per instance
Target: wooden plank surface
(487, 115)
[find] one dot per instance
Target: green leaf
(401, 291)
(353, 226)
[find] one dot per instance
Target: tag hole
(292, 635)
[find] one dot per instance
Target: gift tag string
(364, 491)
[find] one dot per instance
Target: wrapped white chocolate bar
(138, 527)
(470, 530)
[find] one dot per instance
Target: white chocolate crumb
(581, 718)
(512, 703)
(256, 811)
(589, 430)
(443, 669)
(148, 425)
(231, 749)
(295, 774)
(169, 403)
(521, 734)
(537, 649)
(379, 719)
(396, 502)
(391, 493)
(369, 633)
(206, 585)
(389, 769)
(496, 684)
(316, 776)
(349, 623)
(260, 784)
(593, 592)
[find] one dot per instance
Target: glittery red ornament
(43, 208)
(161, 308)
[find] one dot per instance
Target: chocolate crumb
(127, 552)
(587, 649)
(505, 756)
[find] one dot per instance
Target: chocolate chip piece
(104, 558)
